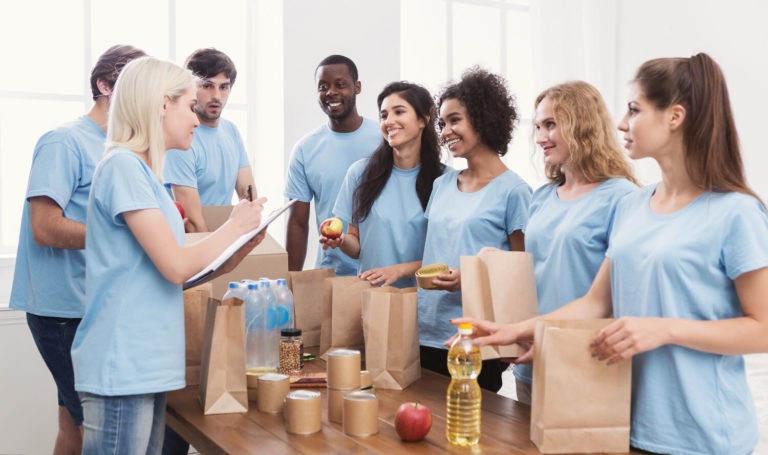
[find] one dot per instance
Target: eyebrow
(395, 107)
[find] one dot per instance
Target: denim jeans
(125, 425)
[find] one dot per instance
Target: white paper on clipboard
(236, 245)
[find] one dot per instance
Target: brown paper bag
(309, 295)
(499, 286)
(195, 306)
(223, 387)
(342, 325)
(579, 404)
(391, 330)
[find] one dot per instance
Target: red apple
(181, 209)
(413, 421)
(332, 228)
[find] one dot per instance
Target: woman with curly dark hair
(484, 205)
(383, 197)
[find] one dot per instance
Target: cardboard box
(269, 259)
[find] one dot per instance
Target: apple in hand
(181, 209)
(332, 228)
(413, 421)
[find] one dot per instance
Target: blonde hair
(136, 106)
(588, 130)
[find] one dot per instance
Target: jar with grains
(291, 351)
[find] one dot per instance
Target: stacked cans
(356, 410)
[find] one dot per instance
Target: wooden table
(505, 425)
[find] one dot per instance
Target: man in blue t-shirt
(49, 278)
(320, 160)
(216, 165)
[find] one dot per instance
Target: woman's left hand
(450, 281)
(628, 336)
(382, 276)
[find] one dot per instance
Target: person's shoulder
(619, 184)
(358, 166)
(313, 136)
(513, 181)
(544, 190)
(370, 126)
(65, 132)
(734, 201)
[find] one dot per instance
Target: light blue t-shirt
(210, 165)
(131, 338)
(319, 162)
(395, 229)
(568, 240)
(51, 281)
(683, 265)
(460, 224)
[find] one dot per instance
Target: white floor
(757, 376)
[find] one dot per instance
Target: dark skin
(336, 93)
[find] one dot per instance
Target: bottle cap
(290, 332)
(465, 326)
(234, 284)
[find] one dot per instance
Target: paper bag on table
(579, 404)
(309, 295)
(223, 387)
(195, 306)
(499, 286)
(391, 330)
(342, 325)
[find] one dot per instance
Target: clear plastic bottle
(271, 345)
(235, 289)
(284, 305)
(463, 398)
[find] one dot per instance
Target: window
(442, 38)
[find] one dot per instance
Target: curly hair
(587, 129)
(492, 110)
(379, 167)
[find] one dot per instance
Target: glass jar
(291, 351)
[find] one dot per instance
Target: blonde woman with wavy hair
(570, 217)
(129, 348)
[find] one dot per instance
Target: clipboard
(211, 268)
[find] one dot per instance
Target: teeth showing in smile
(334, 104)
(451, 143)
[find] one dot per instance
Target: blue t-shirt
(210, 165)
(319, 162)
(460, 224)
(395, 229)
(683, 265)
(51, 281)
(131, 338)
(568, 240)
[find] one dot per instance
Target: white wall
(367, 32)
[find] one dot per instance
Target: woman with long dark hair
(686, 271)
(383, 198)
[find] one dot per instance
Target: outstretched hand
(628, 336)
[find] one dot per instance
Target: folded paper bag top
(426, 274)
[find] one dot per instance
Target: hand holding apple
(413, 421)
(181, 209)
(332, 228)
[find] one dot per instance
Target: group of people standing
(682, 264)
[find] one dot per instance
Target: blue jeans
(53, 338)
(125, 425)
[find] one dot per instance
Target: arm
(245, 178)
(178, 263)
(296, 235)
(50, 227)
(517, 241)
(734, 336)
(190, 199)
(384, 276)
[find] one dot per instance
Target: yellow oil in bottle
(463, 398)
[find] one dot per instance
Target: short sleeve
(123, 185)
(745, 242)
(518, 203)
(179, 168)
(296, 185)
(58, 185)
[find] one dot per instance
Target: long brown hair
(712, 152)
(583, 119)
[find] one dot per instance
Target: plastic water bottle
(284, 305)
(271, 345)
(463, 397)
(257, 360)
(235, 289)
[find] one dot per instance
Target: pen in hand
(250, 193)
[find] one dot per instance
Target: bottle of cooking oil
(463, 397)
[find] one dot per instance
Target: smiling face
(180, 120)
(548, 135)
(399, 123)
(456, 130)
(212, 96)
(645, 127)
(336, 90)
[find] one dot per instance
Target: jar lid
(290, 332)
